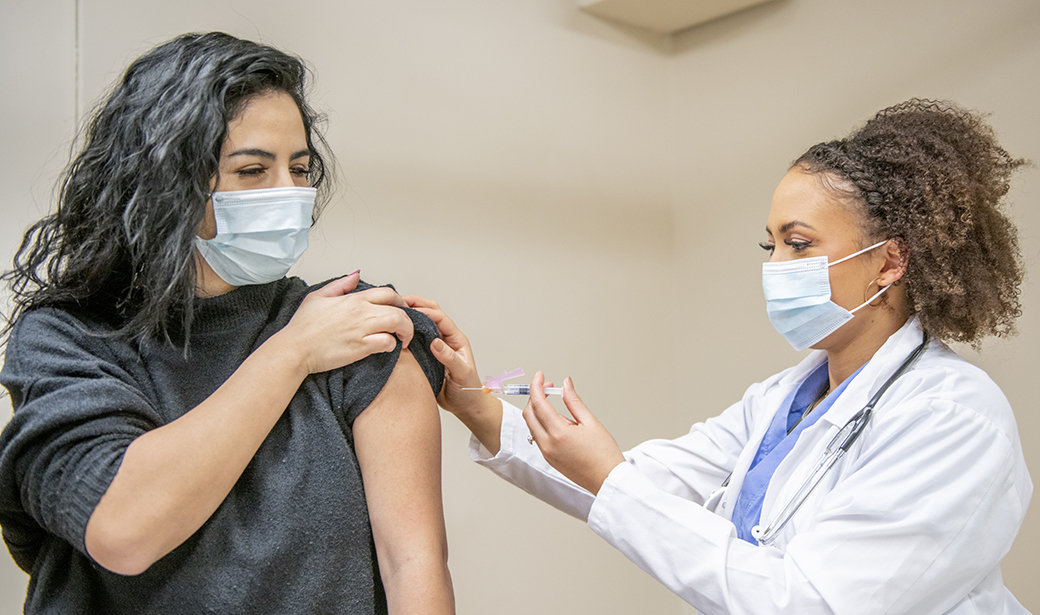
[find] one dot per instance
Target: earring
(866, 293)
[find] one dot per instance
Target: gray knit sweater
(293, 536)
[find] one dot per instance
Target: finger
(449, 331)
(437, 316)
(404, 329)
(575, 405)
(548, 383)
(382, 295)
(550, 419)
(458, 368)
(534, 425)
(377, 343)
(340, 286)
(443, 352)
(389, 320)
(538, 387)
(416, 301)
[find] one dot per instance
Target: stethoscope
(839, 445)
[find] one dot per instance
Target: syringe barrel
(516, 389)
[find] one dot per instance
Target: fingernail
(353, 272)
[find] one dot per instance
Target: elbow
(423, 580)
(119, 549)
(429, 561)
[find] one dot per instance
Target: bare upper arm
(398, 444)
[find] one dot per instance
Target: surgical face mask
(260, 233)
(798, 299)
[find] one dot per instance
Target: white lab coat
(915, 518)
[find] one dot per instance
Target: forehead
(803, 198)
(265, 117)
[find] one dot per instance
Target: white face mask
(260, 233)
(798, 299)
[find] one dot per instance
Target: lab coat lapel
(766, 406)
(794, 469)
(882, 365)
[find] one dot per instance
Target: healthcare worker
(882, 474)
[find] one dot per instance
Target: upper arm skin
(398, 446)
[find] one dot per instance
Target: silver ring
(530, 439)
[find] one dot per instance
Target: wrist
(285, 350)
(475, 405)
(483, 417)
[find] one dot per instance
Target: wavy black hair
(933, 175)
(120, 246)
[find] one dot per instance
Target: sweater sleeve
(76, 410)
(358, 384)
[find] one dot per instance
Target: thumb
(459, 365)
(342, 285)
(575, 405)
(452, 360)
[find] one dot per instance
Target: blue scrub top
(777, 443)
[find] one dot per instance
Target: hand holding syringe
(495, 385)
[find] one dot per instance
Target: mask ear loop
(867, 302)
(855, 254)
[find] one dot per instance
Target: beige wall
(583, 198)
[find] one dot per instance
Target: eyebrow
(303, 153)
(790, 225)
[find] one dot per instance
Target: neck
(849, 355)
(208, 283)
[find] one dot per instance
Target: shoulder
(942, 378)
(946, 409)
(51, 334)
(55, 321)
(425, 332)
(363, 380)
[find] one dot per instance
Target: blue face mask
(798, 299)
(260, 233)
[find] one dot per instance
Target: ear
(208, 228)
(897, 255)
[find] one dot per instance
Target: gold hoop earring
(866, 293)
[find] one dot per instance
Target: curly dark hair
(932, 175)
(120, 245)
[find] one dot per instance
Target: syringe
(516, 389)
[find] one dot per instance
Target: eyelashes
(255, 171)
(797, 246)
